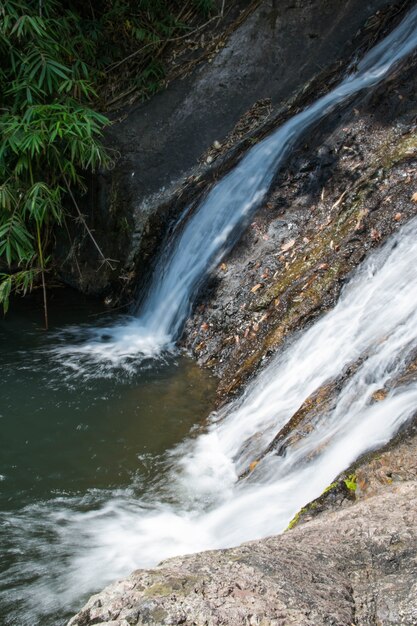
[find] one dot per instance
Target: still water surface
(68, 441)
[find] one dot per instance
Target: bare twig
(112, 67)
(72, 252)
(105, 260)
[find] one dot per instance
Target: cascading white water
(376, 316)
(216, 224)
(200, 503)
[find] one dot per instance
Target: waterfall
(200, 503)
(216, 224)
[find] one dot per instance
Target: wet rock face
(277, 49)
(356, 566)
(343, 192)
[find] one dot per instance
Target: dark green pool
(70, 442)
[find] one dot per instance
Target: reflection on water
(67, 444)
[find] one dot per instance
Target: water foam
(198, 502)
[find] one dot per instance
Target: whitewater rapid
(198, 502)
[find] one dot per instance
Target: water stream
(70, 446)
(154, 489)
(208, 234)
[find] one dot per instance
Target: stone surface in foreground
(356, 566)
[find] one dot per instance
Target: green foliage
(54, 57)
(330, 487)
(131, 38)
(296, 519)
(351, 482)
(49, 137)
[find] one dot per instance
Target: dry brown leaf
(414, 197)
(256, 287)
(375, 235)
(288, 245)
(379, 394)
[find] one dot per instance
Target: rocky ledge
(356, 565)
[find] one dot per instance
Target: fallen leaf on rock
(375, 235)
(414, 197)
(362, 483)
(379, 394)
(256, 287)
(253, 465)
(398, 217)
(288, 245)
(359, 224)
(223, 267)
